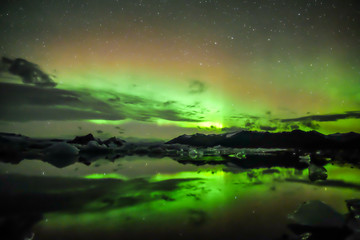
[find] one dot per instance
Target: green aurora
(165, 68)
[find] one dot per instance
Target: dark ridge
(294, 139)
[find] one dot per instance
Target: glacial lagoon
(161, 198)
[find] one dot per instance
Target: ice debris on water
(317, 214)
(61, 149)
(317, 173)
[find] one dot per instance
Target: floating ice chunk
(229, 135)
(317, 214)
(317, 173)
(114, 142)
(195, 153)
(62, 149)
(305, 159)
(94, 146)
(354, 207)
(240, 155)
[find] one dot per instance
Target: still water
(160, 198)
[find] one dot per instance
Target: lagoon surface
(160, 198)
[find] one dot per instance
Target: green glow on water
(201, 200)
(346, 174)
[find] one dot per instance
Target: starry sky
(157, 69)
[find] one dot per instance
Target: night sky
(161, 68)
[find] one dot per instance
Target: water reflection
(129, 167)
(135, 197)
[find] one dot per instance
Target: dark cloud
(114, 99)
(173, 115)
(36, 113)
(196, 105)
(249, 124)
(245, 116)
(168, 103)
(211, 128)
(197, 86)
(120, 130)
(30, 103)
(233, 129)
(325, 117)
(146, 109)
(272, 124)
(268, 128)
(310, 124)
(126, 99)
(294, 127)
(30, 73)
(312, 121)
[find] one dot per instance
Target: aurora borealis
(161, 68)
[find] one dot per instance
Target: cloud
(310, 124)
(168, 103)
(294, 127)
(325, 117)
(245, 116)
(173, 115)
(312, 121)
(30, 73)
(268, 123)
(38, 100)
(146, 109)
(29, 103)
(268, 128)
(233, 129)
(120, 129)
(249, 124)
(196, 87)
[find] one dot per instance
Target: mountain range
(250, 139)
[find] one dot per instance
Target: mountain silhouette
(294, 139)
